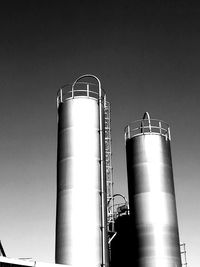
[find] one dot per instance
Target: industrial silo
(81, 234)
(151, 194)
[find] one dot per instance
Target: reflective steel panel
(78, 233)
(151, 196)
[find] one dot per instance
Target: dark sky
(147, 56)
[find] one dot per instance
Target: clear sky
(147, 56)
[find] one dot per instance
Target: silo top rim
(147, 126)
(68, 86)
(84, 89)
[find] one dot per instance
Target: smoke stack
(81, 234)
(151, 194)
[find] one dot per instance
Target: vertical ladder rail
(109, 169)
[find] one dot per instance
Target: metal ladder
(108, 161)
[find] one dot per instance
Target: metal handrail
(69, 91)
(82, 90)
(147, 126)
(147, 120)
(113, 207)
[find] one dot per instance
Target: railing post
(61, 95)
(169, 134)
(142, 123)
(88, 90)
(160, 127)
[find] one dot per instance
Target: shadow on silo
(124, 245)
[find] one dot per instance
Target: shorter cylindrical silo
(151, 194)
(81, 193)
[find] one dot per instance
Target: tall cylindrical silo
(81, 238)
(151, 194)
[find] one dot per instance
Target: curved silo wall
(152, 198)
(79, 240)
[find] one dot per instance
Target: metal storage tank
(151, 194)
(81, 237)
